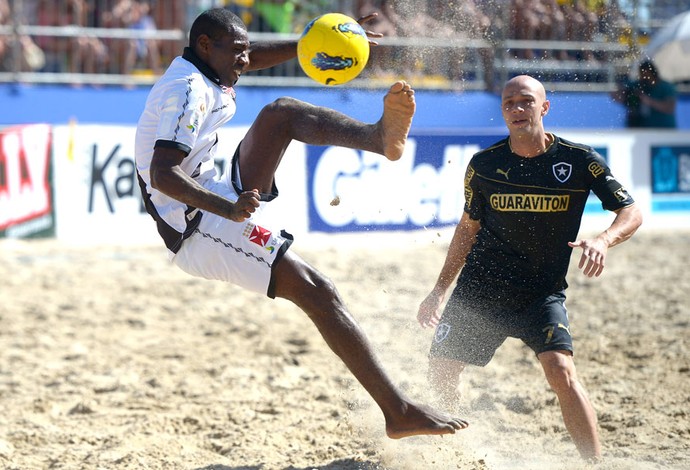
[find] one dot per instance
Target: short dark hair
(648, 66)
(214, 23)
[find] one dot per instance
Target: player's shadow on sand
(344, 464)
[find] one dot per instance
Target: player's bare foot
(398, 109)
(417, 420)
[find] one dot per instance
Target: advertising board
(26, 201)
(326, 189)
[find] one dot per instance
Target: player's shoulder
(183, 81)
(484, 161)
(574, 147)
(181, 72)
(498, 148)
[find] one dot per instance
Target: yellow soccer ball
(333, 49)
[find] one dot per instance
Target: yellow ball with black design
(333, 49)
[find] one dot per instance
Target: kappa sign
(26, 206)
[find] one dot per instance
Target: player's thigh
(265, 143)
(550, 328)
(242, 253)
(468, 333)
(296, 280)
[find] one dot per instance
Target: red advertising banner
(26, 202)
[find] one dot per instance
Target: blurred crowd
(57, 51)
(452, 23)
(543, 23)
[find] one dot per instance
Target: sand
(111, 358)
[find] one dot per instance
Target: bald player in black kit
(524, 200)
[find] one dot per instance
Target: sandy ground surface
(111, 358)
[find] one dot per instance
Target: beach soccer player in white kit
(213, 227)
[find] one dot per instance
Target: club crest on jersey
(442, 331)
(259, 235)
(562, 171)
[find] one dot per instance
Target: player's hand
(429, 312)
(593, 256)
(370, 34)
(245, 206)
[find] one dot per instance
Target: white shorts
(242, 253)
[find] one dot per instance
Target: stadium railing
(600, 75)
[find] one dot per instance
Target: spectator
(171, 16)
(31, 57)
(54, 48)
(557, 27)
(613, 22)
(581, 24)
(469, 21)
(274, 16)
(142, 50)
(121, 15)
(74, 54)
(86, 54)
(650, 101)
(614, 25)
(242, 8)
(417, 20)
(383, 59)
(386, 21)
(531, 21)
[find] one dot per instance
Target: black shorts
(471, 330)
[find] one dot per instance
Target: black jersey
(529, 209)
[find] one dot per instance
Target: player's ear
(203, 44)
(545, 108)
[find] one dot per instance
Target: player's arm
(464, 238)
(594, 250)
(168, 178)
(666, 105)
(263, 55)
(628, 218)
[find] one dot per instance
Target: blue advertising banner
(355, 191)
(670, 169)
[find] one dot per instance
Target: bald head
(524, 105)
(524, 84)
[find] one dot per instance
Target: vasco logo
(258, 235)
(442, 331)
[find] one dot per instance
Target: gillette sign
(351, 190)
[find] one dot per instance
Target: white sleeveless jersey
(184, 110)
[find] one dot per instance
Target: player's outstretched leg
(398, 109)
(317, 296)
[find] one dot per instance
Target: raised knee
(277, 117)
(281, 107)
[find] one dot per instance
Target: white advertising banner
(97, 195)
(337, 190)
